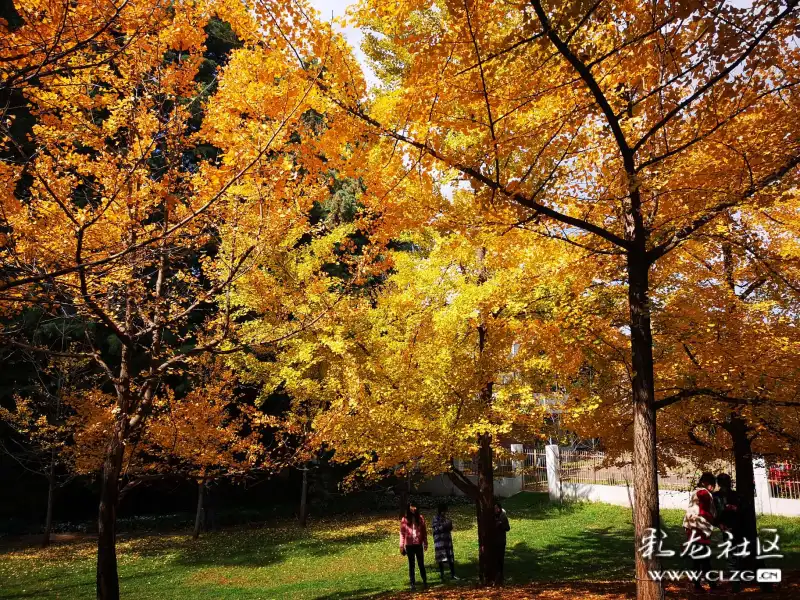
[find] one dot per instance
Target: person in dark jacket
(414, 543)
(443, 541)
(727, 503)
(501, 528)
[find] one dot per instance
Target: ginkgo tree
(48, 38)
(207, 436)
(202, 434)
(151, 180)
(296, 372)
(623, 126)
(735, 371)
(436, 362)
(725, 330)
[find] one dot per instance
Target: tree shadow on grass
(598, 554)
(258, 548)
(44, 593)
(601, 553)
(537, 505)
(578, 590)
(611, 590)
(522, 506)
(51, 588)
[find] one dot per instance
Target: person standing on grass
(698, 523)
(501, 528)
(726, 503)
(443, 541)
(414, 543)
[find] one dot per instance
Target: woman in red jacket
(698, 522)
(414, 543)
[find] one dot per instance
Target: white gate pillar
(553, 458)
(763, 500)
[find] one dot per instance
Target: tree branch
(179, 224)
(682, 234)
(721, 397)
(594, 87)
(790, 6)
(462, 482)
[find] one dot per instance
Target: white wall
(505, 487)
(785, 507)
(619, 495)
(441, 485)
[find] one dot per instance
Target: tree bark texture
(646, 515)
(107, 575)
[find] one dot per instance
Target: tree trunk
(51, 492)
(107, 576)
(487, 546)
(198, 518)
(745, 481)
(487, 543)
(304, 497)
(403, 500)
(404, 490)
(646, 514)
(483, 495)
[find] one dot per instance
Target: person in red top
(414, 543)
(698, 522)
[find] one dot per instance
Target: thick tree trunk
(746, 488)
(304, 497)
(646, 514)
(198, 518)
(745, 480)
(487, 544)
(51, 492)
(482, 493)
(107, 576)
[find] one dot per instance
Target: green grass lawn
(346, 557)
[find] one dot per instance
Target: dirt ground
(787, 590)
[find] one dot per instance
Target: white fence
(784, 480)
(577, 475)
(534, 472)
(587, 476)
